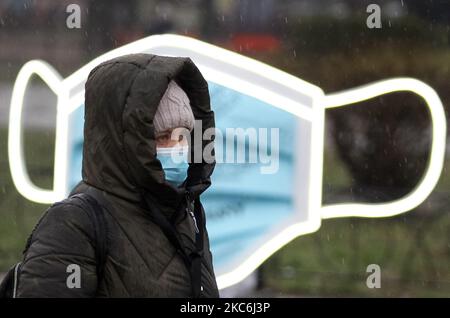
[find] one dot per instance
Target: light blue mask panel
(76, 127)
(243, 205)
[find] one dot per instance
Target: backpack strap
(9, 284)
(97, 215)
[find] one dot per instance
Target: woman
(134, 106)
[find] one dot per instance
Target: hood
(119, 150)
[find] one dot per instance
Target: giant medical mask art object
(250, 214)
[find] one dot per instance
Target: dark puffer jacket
(119, 159)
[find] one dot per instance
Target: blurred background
(375, 151)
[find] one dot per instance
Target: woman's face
(172, 138)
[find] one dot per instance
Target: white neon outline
(18, 169)
(68, 101)
(232, 58)
(437, 154)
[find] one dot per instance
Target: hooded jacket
(119, 159)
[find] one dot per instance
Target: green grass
(333, 261)
(18, 215)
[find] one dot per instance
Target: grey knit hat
(174, 110)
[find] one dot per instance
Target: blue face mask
(175, 164)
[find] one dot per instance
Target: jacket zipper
(189, 210)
